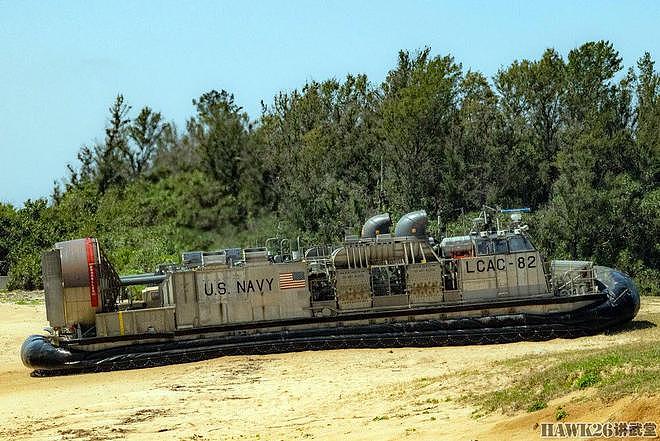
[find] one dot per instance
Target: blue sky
(62, 63)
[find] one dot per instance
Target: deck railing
(574, 282)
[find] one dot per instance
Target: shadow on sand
(631, 326)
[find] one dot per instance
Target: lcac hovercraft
(380, 289)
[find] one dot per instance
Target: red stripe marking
(91, 268)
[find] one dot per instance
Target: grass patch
(537, 405)
(587, 379)
(625, 369)
(421, 383)
(560, 413)
(28, 302)
(404, 389)
(22, 297)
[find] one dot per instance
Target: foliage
(575, 138)
(613, 372)
(560, 413)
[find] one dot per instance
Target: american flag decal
(292, 280)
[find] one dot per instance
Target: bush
(560, 413)
(26, 273)
(537, 405)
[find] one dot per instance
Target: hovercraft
(382, 288)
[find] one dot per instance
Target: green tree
(144, 132)
(35, 230)
(220, 133)
(474, 138)
(531, 96)
(322, 154)
(7, 231)
(104, 163)
(418, 111)
(646, 162)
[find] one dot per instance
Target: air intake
(378, 224)
(412, 224)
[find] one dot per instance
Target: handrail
(574, 281)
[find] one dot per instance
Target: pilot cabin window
(487, 247)
(520, 243)
(483, 247)
(500, 246)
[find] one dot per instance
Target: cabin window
(500, 246)
(388, 280)
(497, 246)
(520, 243)
(483, 247)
